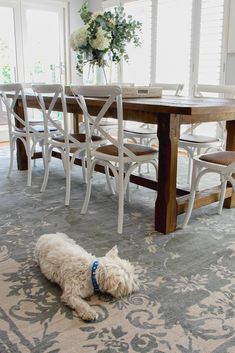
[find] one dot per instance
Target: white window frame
(18, 7)
(15, 5)
(195, 39)
(195, 43)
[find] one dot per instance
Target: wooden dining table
(168, 113)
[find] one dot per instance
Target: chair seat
(223, 157)
(108, 122)
(198, 138)
(79, 137)
(138, 150)
(38, 128)
(141, 131)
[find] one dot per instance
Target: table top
(174, 104)
(165, 104)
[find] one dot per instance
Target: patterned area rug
(186, 303)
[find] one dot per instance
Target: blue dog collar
(93, 275)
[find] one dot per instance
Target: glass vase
(97, 75)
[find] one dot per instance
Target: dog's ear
(113, 252)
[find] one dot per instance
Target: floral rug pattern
(186, 302)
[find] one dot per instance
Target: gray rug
(186, 303)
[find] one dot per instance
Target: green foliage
(85, 13)
(6, 74)
(117, 30)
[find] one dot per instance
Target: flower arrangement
(104, 33)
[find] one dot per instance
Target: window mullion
(195, 44)
(224, 48)
(19, 73)
(153, 42)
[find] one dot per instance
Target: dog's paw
(90, 315)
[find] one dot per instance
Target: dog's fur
(64, 262)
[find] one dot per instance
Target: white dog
(79, 273)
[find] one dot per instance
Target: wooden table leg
(230, 146)
(22, 163)
(77, 118)
(166, 207)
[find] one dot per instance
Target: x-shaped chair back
(111, 95)
(56, 91)
(16, 89)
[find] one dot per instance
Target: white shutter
(211, 36)
(174, 22)
(138, 69)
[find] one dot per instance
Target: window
(7, 45)
(174, 41)
(211, 36)
(138, 69)
(32, 41)
(182, 41)
(44, 49)
(32, 46)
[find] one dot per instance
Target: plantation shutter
(137, 70)
(211, 37)
(174, 22)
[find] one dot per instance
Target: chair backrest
(14, 120)
(111, 96)
(176, 88)
(47, 96)
(227, 91)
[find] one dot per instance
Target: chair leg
(148, 169)
(108, 180)
(194, 184)
(90, 167)
(11, 159)
(120, 202)
(29, 174)
(68, 179)
(46, 168)
(43, 155)
(155, 165)
(128, 197)
(84, 176)
(127, 191)
(190, 164)
(140, 166)
(222, 195)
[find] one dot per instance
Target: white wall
(95, 5)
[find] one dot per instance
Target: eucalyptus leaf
(105, 33)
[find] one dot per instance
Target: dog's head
(115, 275)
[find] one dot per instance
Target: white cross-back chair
(122, 159)
(222, 163)
(69, 145)
(18, 128)
(194, 143)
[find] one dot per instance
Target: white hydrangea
(78, 38)
(102, 40)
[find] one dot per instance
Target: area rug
(186, 301)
